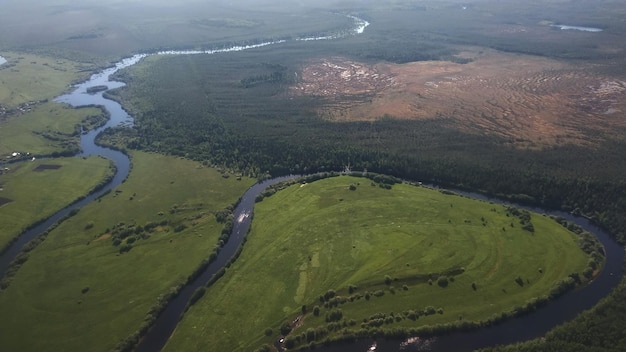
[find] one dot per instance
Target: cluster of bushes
(383, 181)
(124, 236)
(524, 218)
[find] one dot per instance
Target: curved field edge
(354, 252)
(34, 190)
(84, 288)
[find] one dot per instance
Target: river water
(576, 28)
(526, 327)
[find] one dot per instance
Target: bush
(442, 281)
(285, 328)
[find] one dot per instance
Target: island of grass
(343, 258)
(96, 89)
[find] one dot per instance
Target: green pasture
(77, 292)
(27, 77)
(30, 194)
(45, 129)
(309, 239)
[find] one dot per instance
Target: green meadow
(29, 121)
(81, 289)
(27, 77)
(34, 190)
(45, 129)
(354, 256)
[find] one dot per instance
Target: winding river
(528, 326)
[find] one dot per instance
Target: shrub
(268, 332)
(285, 328)
(442, 281)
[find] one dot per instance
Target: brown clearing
(106, 236)
(532, 101)
(44, 167)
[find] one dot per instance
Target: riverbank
(34, 190)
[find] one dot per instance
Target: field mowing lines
(498, 259)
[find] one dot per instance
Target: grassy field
(28, 77)
(82, 293)
(46, 129)
(307, 240)
(28, 194)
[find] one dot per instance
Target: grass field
(82, 293)
(34, 195)
(27, 77)
(45, 129)
(307, 240)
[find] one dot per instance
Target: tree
(442, 281)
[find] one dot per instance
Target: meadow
(32, 78)
(342, 252)
(85, 289)
(47, 129)
(34, 194)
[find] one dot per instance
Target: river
(576, 28)
(526, 327)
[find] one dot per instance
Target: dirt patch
(4, 201)
(44, 167)
(106, 236)
(528, 100)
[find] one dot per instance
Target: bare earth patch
(106, 236)
(44, 167)
(532, 101)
